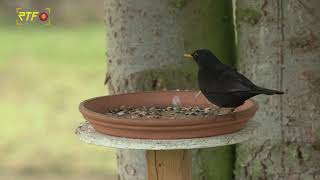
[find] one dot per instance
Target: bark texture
(278, 47)
(146, 40)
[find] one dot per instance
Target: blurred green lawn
(44, 73)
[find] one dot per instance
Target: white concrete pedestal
(169, 165)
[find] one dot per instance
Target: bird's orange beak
(189, 56)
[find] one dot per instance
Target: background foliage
(44, 72)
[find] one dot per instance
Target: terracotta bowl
(94, 111)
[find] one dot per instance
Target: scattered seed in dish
(171, 112)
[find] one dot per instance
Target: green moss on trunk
(249, 16)
(213, 163)
(215, 31)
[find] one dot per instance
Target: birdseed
(169, 112)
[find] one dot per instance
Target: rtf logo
(25, 17)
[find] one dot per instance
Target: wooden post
(169, 164)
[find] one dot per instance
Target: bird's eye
(195, 55)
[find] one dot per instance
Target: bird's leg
(228, 111)
(233, 113)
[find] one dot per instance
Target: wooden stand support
(169, 165)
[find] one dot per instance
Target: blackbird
(221, 84)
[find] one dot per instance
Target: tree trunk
(146, 41)
(278, 47)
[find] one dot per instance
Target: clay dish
(94, 110)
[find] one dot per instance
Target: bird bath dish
(163, 115)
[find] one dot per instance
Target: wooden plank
(169, 165)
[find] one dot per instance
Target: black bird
(222, 85)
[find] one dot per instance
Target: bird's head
(204, 58)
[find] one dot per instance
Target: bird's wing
(231, 81)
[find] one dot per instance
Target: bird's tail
(265, 91)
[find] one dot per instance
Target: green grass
(44, 74)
